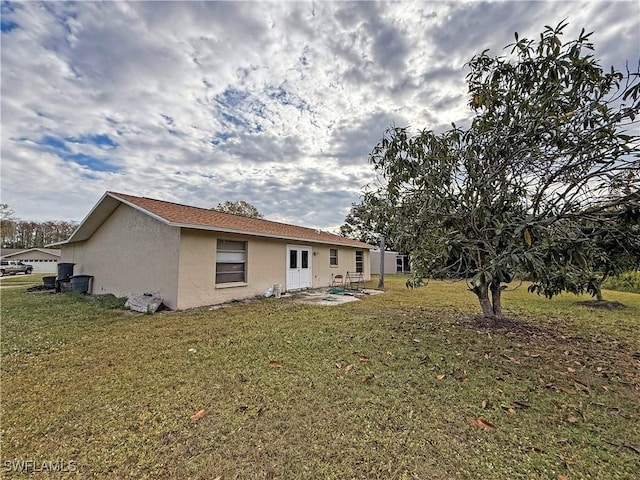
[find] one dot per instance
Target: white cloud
(275, 103)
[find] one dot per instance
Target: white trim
(61, 242)
(230, 285)
(86, 217)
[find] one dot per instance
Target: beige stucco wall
(129, 253)
(346, 263)
(266, 265)
(197, 272)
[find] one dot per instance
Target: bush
(625, 282)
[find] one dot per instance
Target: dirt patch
(515, 327)
(41, 288)
(605, 357)
(603, 304)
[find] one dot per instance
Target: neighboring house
(194, 256)
(43, 260)
(394, 262)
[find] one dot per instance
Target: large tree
(370, 219)
(549, 136)
(241, 207)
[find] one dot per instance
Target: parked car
(11, 267)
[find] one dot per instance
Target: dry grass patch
(402, 385)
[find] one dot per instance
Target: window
(231, 261)
(333, 256)
(359, 262)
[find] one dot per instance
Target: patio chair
(355, 280)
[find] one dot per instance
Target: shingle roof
(201, 218)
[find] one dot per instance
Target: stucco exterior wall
(129, 253)
(266, 265)
(346, 263)
(197, 272)
(132, 252)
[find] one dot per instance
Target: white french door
(298, 267)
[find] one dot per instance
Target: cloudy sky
(277, 103)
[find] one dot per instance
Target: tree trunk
(599, 293)
(598, 285)
(491, 307)
(482, 292)
(383, 247)
(496, 296)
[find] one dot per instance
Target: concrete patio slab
(323, 297)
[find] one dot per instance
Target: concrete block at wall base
(145, 303)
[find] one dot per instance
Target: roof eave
(29, 250)
(141, 209)
(55, 244)
(267, 235)
(78, 232)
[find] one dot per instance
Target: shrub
(625, 282)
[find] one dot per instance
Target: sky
(275, 103)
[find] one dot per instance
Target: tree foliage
(241, 207)
(7, 222)
(516, 192)
(18, 233)
(370, 220)
(605, 248)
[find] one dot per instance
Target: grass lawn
(403, 385)
(22, 280)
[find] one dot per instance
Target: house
(394, 262)
(43, 260)
(193, 256)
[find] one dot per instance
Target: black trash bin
(80, 283)
(65, 271)
(63, 286)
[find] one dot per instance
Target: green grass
(114, 391)
(22, 280)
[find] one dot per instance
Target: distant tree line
(25, 234)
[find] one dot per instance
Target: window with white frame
(231, 261)
(333, 257)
